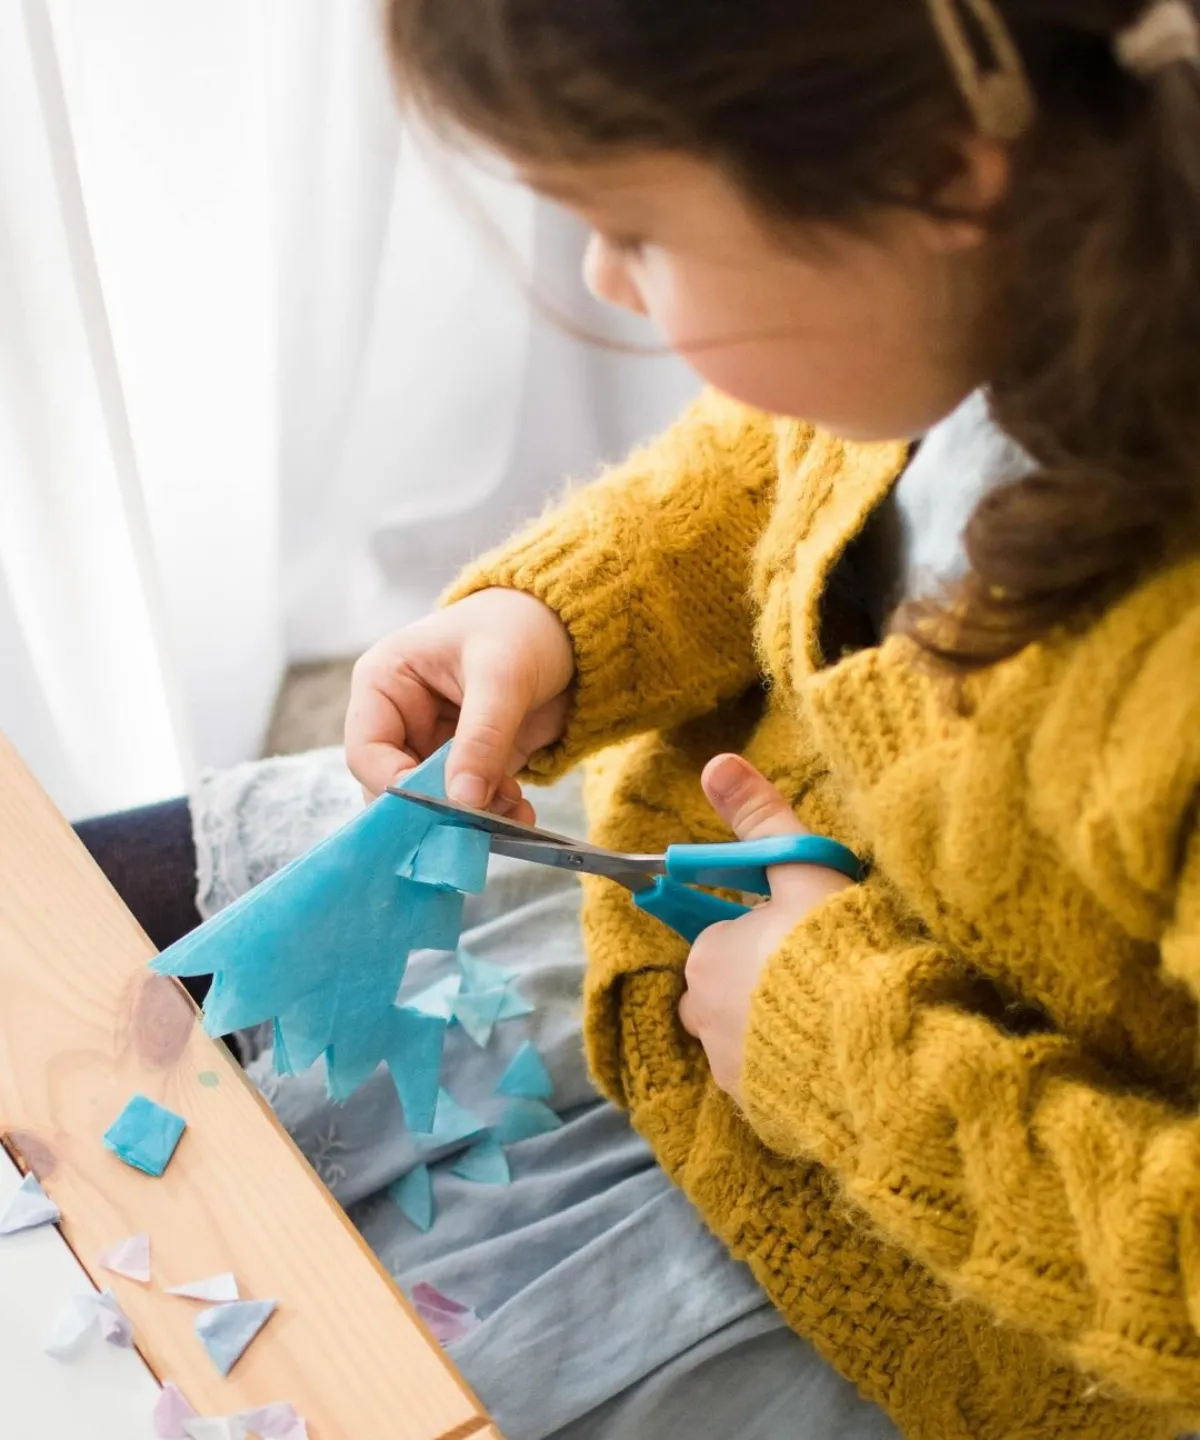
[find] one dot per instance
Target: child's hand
(727, 960)
(492, 671)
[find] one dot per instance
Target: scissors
(661, 885)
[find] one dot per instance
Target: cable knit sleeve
(1062, 1202)
(649, 569)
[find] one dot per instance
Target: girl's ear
(978, 188)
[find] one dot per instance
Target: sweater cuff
(791, 1088)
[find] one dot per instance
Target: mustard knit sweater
(968, 1166)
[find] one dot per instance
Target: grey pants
(607, 1310)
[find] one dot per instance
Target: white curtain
(266, 376)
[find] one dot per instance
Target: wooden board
(83, 1025)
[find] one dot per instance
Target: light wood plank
(83, 1024)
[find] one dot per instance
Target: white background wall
(214, 226)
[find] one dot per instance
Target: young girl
(947, 1116)
(948, 614)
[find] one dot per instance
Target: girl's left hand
(727, 960)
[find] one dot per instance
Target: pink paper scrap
(171, 1409)
(424, 1294)
(447, 1319)
(130, 1258)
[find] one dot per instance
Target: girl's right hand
(492, 671)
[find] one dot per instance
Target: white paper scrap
(72, 1326)
(29, 1208)
(215, 1290)
(218, 1427)
(80, 1316)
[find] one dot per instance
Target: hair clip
(1166, 33)
(999, 95)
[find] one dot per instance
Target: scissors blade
(635, 872)
(450, 812)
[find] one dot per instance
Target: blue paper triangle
(226, 1330)
(484, 1163)
(477, 1012)
(413, 1193)
(482, 974)
(526, 1076)
(415, 1061)
(515, 1004)
(452, 1122)
(280, 1057)
(523, 1120)
(436, 999)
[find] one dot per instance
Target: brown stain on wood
(32, 1151)
(163, 1017)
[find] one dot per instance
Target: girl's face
(870, 335)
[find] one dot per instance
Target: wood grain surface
(83, 1025)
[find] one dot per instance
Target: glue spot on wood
(33, 1151)
(210, 1078)
(162, 1021)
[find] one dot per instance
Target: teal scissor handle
(688, 912)
(742, 864)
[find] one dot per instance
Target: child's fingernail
(723, 776)
(469, 790)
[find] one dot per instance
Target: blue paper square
(145, 1135)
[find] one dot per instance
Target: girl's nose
(606, 275)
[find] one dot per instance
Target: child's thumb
(747, 801)
(755, 810)
(494, 706)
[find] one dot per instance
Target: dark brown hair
(824, 110)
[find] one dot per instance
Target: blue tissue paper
(320, 948)
(452, 1122)
(145, 1135)
(484, 1163)
(414, 1195)
(226, 1330)
(477, 1012)
(482, 974)
(523, 1120)
(515, 1004)
(436, 999)
(526, 1077)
